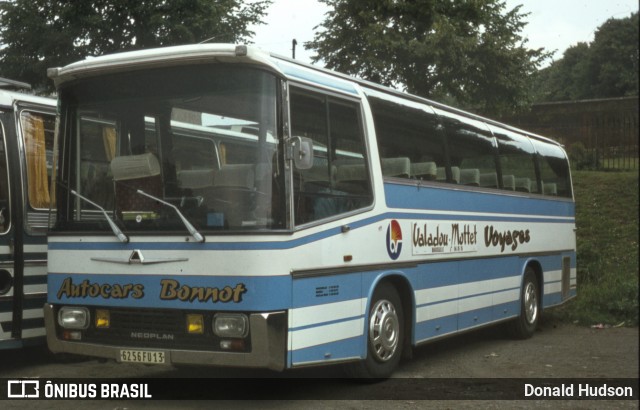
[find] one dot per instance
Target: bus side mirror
(301, 150)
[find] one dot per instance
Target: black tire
(385, 335)
(525, 325)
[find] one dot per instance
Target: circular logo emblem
(394, 239)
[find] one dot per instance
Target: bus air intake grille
(154, 329)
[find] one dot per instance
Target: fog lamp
(103, 319)
(72, 335)
(195, 324)
(73, 317)
(232, 344)
(230, 325)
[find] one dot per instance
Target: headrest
(134, 166)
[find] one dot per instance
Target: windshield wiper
(121, 236)
(192, 230)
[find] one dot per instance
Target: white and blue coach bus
(219, 205)
(26, 156)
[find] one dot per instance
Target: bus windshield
(165, 149)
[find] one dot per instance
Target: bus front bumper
(268, 341)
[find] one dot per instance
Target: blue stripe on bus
(15, 344)
(327, 323)
(326, 289)
(36, 280)
(287, 244)
(35, 323)
(554, 262)
(36, 256)
(27, 303)
(435, 328)
(341, 349)
(433, 275)
(452, 200)
(262, 293)
(552, 299)
(191, 246)
(34, 302)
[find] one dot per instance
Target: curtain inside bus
(33, 126)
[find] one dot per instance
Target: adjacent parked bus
(26, 155)
(219, 205)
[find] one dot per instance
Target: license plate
(142, 356)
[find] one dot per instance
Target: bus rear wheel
(385, 335)
(526, 323)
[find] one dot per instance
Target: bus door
(7, 242)
(26, 160)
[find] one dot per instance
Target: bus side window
(472, 151)
(409, 139)
(516, 161)
(4, 186)
(554, 170)
(338, 181)
(38, 131)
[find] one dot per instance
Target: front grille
(171, 321)
(154, 328)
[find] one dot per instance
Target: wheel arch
(407, 297)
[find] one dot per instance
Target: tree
(565, 79)
(605, 68)
(614, 58)
(38, 34)
(468, 53)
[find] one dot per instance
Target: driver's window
(339, 181)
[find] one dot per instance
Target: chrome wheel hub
(530, 303)
(384, 330)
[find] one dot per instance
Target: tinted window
(199, 138)
(471, 151)
(516, 161)
(38, 130)
(554, 169)
(410, 140)
(339, 180)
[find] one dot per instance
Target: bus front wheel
(525, 325)
(385, 335)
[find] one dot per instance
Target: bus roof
(286, 67)
(141, 59)
(412, 97)
(8, 98)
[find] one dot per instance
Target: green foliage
(604, 68)
(470, 53)
(38, 34)
(607, 246)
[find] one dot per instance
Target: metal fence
(598, 134)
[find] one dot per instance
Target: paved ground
(439, 370)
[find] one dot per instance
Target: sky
(553, 24)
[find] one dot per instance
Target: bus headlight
(230, 325)
(73, 317)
